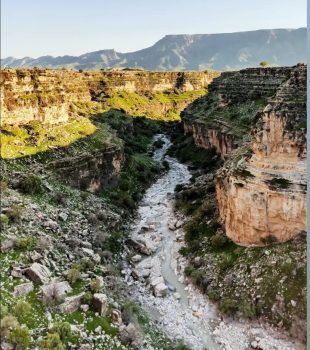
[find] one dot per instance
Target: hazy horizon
(75, 27)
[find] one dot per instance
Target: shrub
(213, 295)
(31, 185)
(26, 243)
(197, 276)
(270, 239)
(228, 307)
(64, 331)
(52, 342)
(278, 183)
(189, 270)
(87, 298)
(114, 242)
(14, 214)
(227, 262)
(4, 220)
(248, 310)
(218, 240)
(8, 323)
(95, 285)
(21, 310)
(74, 275)
(20, 336)
(3, 310)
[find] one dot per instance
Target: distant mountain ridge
(225, 51)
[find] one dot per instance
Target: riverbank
(156, 279)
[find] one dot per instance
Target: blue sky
(58, 27)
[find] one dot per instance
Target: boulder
(116, 316)
(63, 216)
(55, 291)
(130, 334)
(139, 246)
(71, 304)
(100, 303)
(136, 258)
(157, 280)
(38, 273)
(160, 290)
(36, 256)
(7, 245)
(22, 289)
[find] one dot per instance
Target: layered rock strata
(261, 189)
(48, 96)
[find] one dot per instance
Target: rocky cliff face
(261, 190)
(221, 119)
(50, 96)
(91, 172)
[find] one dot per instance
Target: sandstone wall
(48, 95)
(262, 196)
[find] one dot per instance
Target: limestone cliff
(52, 96)
(261, 189)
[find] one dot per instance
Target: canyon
(84, 152)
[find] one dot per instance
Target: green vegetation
(26, 243)
(278, 183)
(185, 150)
(263, 64)
(22, 310)
(139, 170)
(31, 185)
(74, 275)
(35, 137)
(20, 337)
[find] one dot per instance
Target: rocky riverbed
(155, 277)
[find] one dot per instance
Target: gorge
(79, 158)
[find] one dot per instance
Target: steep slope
(223, 51)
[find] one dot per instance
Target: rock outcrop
(261, 189)
(93, 171)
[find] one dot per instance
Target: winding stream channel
(182, 311)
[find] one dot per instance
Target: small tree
(263, 64)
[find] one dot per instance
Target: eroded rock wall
(261, 189)
(48, 95)
(91, 172)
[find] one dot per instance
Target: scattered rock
(22, 289)
(160, 290)
(7, 245)
(63, 216)
(38, 273)
(139, 246)
(136, 258)
(71, 304)
(55, 291)
(116, 316)
(100, 303)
